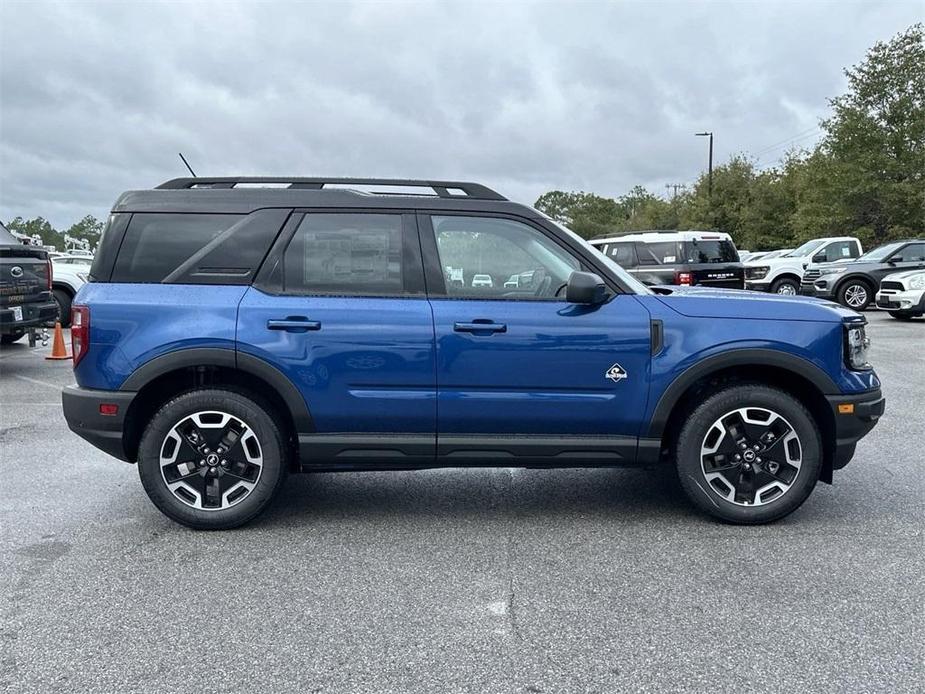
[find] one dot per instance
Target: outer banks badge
(616, 373)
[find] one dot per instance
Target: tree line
(865, 177)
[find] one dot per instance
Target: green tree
(870, 168)
(88, 228)
(41, 226)
(586, 214)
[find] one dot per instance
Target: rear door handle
(293, 324)
(480, 326)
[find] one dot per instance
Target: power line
(804, 135)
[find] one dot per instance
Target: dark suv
(26, 302)
(230, 335)
(855, 284)
(684, 258)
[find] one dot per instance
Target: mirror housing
(585, 288)
(819, 258)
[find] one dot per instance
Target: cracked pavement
(482, 580)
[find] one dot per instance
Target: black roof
(242, 195)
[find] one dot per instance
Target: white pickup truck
(69, 273)
(783, 275)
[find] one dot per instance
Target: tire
(203, 411)
(705, 470)
(900, 315)
(855, 288)
(63, 299)
(786, 286)
(10, 338)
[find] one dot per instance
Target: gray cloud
(98, 98)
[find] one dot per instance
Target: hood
(697, 302)
(904, 275)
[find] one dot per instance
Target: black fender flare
(231, 359)
(736, 357)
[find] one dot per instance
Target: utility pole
(674, 188)
(710, 169)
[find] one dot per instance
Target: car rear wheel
(786, 287)
(212, 459)
(749, 454)
(855, 294)
(63, 299)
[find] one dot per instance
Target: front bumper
(82, 412)
(33, 315)
(855, 416)
(912, 300)
(821, 289)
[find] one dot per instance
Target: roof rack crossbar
(443, 189)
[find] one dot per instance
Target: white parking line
(38, 382)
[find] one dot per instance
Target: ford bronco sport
(231, 334)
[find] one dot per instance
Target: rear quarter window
(658, 253)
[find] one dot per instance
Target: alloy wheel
(787, 289)
(751, 456)
(211, 460)
(856, 295)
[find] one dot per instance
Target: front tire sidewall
(241, 406)
(843, 290)
(690, 471)
(776, 287)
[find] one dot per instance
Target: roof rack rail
(443, 189)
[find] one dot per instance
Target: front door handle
(293, 324)
(480, 325)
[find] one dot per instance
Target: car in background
(903, 294)
(782, 275)
(482, 281)
(70, 274)
(855, 284)
(686, 258)
(25, 288)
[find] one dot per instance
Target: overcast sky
(97, 98)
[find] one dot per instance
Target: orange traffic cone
(58, 350)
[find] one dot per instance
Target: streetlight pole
(710, 169)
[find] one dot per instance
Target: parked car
(25, 288)
(903, 294)
(307, 328)
(676, 257)
(482, 281)
(782, 275)
(69, 276)
(855, 284)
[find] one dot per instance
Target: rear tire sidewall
(843, 290)
(785, 281)
(63, 299)
(690, 471)
(250, 411)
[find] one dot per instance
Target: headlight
(756, 273)
(856, 346)
(917, 281)
(831, 270)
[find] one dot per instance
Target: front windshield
(879, 253)
(630, 281)
(806, 249)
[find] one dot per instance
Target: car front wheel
(785, 287)
(749, 454)
(855, 294)
(212, 459)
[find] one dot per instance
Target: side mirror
(819, 258)
(585, 288)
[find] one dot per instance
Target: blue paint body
(399, 366)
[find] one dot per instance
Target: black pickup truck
(26, 301)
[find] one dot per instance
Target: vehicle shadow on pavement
(461, 493)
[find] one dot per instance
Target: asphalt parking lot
(459, 580)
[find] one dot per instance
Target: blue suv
(236, 330)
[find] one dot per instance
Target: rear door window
(623, 254)
(657, 253)
(346, 254)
